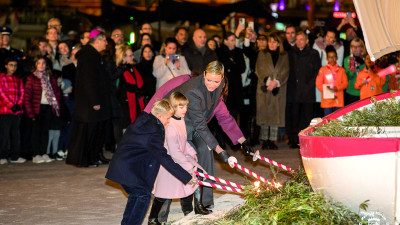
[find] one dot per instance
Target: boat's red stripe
(327, 147)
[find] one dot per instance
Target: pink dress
(166, 185)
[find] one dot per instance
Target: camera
(173, 56)
(242, 21)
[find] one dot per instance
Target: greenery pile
(294, 203)
(382, 113)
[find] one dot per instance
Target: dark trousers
(40, 130)
(328, 111)
(63, 142)
(348, 99)
(26, 137)
(9, 130)
(186, 205)
(86, 143)
(136, 206)
(206, 160)
(300, 116)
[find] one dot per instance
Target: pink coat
(166, 185)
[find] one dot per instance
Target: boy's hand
(193, 182)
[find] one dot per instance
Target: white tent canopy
(380, 22)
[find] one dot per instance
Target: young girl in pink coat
(167, 186)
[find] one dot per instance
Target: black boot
(200, 209)
(102, 159)
(187, 204)
(155, 209)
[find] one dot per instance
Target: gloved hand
(231, 161)
(247, 148)
(224, 156)
(15, 108)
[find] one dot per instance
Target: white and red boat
(353, 170)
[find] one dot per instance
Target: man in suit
(92, 104)
(304, 67)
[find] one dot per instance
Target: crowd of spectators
(276, 83)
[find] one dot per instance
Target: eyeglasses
(118, 35)
(146, 39)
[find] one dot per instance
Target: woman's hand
(178, 63)
(195, 158)
(272, 85)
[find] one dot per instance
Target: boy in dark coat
(137, 160)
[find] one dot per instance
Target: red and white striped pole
(258, 177)
(258, 156)
(218, 186)
(227, 182)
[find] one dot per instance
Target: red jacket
(33, 94)
(11, 93)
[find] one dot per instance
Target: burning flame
(277, 185)
(257, 186)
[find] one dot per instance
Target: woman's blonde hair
(120, 54)
(162, 106)
(216, 68)
(177, 99)
(359, 40)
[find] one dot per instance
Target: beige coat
(270, 108)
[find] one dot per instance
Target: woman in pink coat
(167, 186)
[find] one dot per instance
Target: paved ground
(58, 194)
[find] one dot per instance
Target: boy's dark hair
(10, 59)
(330, 48)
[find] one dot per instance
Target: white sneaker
(59, 155)
(46, 158)
(19, 160)
(3, 161)
(38, 159)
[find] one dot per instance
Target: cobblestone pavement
(59, 194)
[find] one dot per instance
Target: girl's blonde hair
(177, 99)
(162, 106)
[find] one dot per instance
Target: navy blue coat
(139, 154)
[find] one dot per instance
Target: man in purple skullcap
(92, 104)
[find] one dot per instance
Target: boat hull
(354, 170)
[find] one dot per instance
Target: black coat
(234, 66)
(196, 61)
(92, 87)
(141, 151)
(69, 72)
(304, 68)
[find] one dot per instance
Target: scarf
(274, 55)
(355, 62)
(48, 90)
(133, 77)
